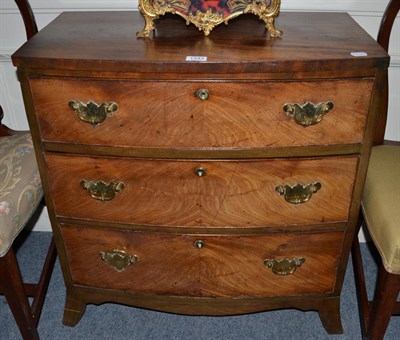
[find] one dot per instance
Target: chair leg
(361, 290)
(44, 281)
(386, 293)
(12, 286)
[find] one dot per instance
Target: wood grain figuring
(167, 114)
(233, 266)
(233, 193)
(227, 266)
(167, 264)
(312, 42)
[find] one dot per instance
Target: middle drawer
(202, 193)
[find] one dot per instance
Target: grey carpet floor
(113, 321)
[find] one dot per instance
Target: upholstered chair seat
(380, 212)
(381, 204)
(20, 194)
(20, 187)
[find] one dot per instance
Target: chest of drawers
(220, 187)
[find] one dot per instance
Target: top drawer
(224, 115)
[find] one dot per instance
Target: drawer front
(177, 193)
(224, 266)
(168, 114)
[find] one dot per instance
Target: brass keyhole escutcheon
(202, 94)
(200, 171)
(199, 244)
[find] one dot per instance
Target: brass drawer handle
(118, 259)
(102, 191)
(298, 193)
(200, 171)
(202, 94)
(91, 112)
(285, 266)
(307, 114)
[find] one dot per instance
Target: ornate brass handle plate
(298, 193)
(202, 94)
(285, 266)
(102, 191)
(91, 112)
(118, 259)
(307, 114)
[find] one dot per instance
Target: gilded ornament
(206, 16)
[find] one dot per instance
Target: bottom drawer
(203, 265)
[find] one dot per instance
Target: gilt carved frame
(207, 14)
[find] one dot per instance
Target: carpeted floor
(112, 321)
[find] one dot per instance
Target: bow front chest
(201, 175)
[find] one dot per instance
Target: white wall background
(367, 13)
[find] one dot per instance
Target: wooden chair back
(16, 291)
(28, 17)
(30, 30)
(383, 39)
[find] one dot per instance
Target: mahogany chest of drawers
(226, 186)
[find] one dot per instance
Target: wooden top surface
(106, 41)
